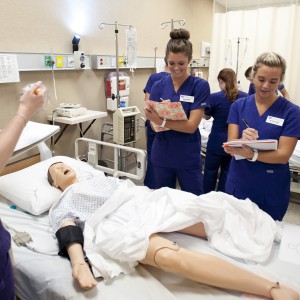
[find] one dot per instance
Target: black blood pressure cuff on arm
(66, 236)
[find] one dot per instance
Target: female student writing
(176, 152)
(264, 176)
(219, 104)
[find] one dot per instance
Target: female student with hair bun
(176, 152)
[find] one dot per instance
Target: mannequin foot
(83, 276)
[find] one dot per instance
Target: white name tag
(275, 121)
(185, 98)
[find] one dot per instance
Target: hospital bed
(41, 274)
(205, 128)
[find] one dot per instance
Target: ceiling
(247, 4)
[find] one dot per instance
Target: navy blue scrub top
(175, 149)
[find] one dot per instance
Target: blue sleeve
(234, 113)
(201, 95)
(210, 109)
(156, 91)
(291, 126)
(149, 84)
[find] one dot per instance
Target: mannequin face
(62, 175)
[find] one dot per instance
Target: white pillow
(29, 188)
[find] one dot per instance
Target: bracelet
(255, 155)
(23, 117)
(163, 124)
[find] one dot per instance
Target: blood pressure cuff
(66, 236)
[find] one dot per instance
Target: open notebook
(262, 145)
(267, 144)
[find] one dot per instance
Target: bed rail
(93, 154)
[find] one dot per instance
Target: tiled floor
(293, 213)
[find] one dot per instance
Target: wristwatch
(255, 155)
(163, 124)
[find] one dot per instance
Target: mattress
(48, 276)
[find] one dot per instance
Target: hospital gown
(80, 200)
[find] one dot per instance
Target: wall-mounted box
(205, 49)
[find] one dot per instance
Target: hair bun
(180, 34)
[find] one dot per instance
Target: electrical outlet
(70, 62)
(59, 61)
(48, 61)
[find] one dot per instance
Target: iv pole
(101, 26)
(165, 24)
(238, 53)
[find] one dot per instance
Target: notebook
(166, 109)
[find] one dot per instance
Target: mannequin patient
(81, 199)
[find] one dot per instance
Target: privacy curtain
(238, 37)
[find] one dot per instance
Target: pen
(246, 123)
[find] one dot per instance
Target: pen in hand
(246, 123)
(254, 133)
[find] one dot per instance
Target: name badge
(185, 98)
(275, 121)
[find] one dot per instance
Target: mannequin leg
(210, 270)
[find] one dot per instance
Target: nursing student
(264, 176)
(30, 101)
(281, 87)
(150, 133)
(219, 104)
(176, 152)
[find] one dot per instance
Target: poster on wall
(9, 71)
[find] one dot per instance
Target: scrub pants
(213, 161)
(190, 180)
(7, 288)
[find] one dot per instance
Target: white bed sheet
(40, 276)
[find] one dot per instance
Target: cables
(22, 238)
